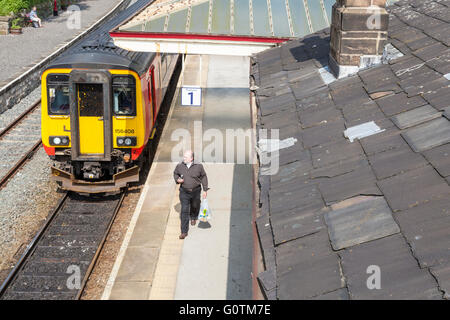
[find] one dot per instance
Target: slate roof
(336, 208)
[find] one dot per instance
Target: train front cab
(95, 127)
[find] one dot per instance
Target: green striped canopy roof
(259, 18)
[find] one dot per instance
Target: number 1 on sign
(191, 96)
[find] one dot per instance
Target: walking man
(191, 176)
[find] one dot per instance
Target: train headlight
(126, 141)
(59, 141)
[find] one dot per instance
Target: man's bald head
(188, 156)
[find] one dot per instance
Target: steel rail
(29, 153)
(31, 246)
(20, 118)
(19, 164)
(35, 241)
(100, 247)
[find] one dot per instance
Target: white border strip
(60, 50)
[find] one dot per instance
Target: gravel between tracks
(25, 203)
(11, 114)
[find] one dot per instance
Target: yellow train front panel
(91, 129)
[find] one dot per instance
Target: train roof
(97, 50)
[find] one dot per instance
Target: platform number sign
(191, 96)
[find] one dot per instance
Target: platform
(215, 260)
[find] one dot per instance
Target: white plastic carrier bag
(205, 212)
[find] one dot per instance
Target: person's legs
(195, 204)
(38, 20)
(185, 200)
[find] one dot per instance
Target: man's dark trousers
(190, 207)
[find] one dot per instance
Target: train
(99, 105)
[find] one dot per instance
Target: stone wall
(5, 24)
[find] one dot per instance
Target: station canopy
(226, 27)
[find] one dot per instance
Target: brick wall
(359, 27)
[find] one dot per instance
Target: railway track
(59, 259)
(19, 140)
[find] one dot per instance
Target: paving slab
(132, 290)
(359, 220)
(138, 264)
(400, 276)
(216, 257)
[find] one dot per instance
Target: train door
(152, 93)
(91, 115)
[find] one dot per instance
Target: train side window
(124, 96)
(58, 94)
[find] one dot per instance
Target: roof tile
(401, 278)
(414, 187)
(358, 220)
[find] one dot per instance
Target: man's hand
(205, 194)
(179, 180)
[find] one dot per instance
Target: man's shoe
(193, 222)
(183, 235)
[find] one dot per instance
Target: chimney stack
(358, 35)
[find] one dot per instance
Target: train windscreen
(58, 94)
(124, 101)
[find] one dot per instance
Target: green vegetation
(8, 6)
(16, 23)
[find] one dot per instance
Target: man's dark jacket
(193, 176)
